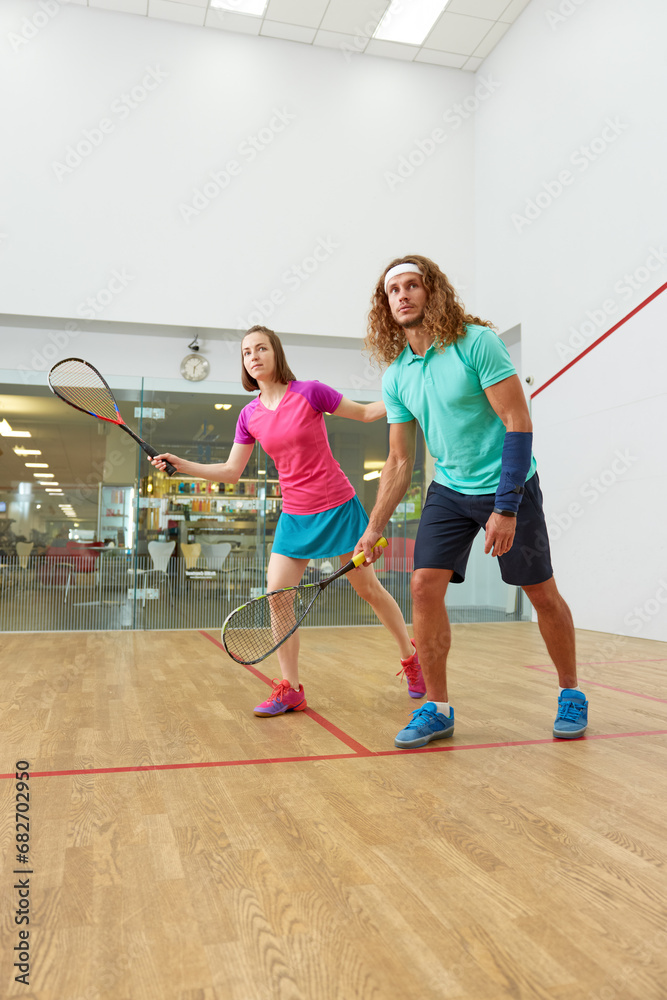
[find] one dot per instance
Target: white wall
(568, 261)
(603, 469)
(562, 273)
(308, 218)
(29, 348)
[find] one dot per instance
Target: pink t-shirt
(295, 437)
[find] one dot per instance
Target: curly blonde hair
(444, 316)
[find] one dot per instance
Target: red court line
(135, 768)
(635, 694)
(320, 720)
(359, 748)
(600, 339)
(337, 756)
(253, 670)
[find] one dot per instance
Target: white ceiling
(461, 38)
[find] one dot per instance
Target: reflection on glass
(101, 575)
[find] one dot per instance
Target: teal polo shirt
(444, 392)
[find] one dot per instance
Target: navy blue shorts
(450, 521)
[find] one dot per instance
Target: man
(451, 374)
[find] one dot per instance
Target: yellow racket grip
(360, 557)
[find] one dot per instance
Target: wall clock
(195, 368)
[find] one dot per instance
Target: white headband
(401, 269)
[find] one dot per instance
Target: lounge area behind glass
(92, 536)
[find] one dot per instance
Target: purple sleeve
(243, 435)
(321, 397)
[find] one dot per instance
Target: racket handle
(169, 468)
(360, 557)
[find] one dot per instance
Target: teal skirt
(321, 536)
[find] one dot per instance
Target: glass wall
(93, 537)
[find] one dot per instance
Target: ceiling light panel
(254, 7)
(7, 431)
(409, 23)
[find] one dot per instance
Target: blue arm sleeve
(517, 453)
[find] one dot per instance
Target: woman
(321, 514)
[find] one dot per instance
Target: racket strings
(257, 628)
(81, 386)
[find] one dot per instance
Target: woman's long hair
(283, 372)
(444, 314)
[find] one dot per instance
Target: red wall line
(599, 340)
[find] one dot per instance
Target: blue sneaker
(426, 724)
(572, 718)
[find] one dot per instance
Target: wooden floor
(182, 849)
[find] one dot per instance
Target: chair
(111, 571)
(191, 554)
(82, 558)
(160, 553)
(215, 555)
(23, 550)
(58, 573)
(395, 568)
(399, 555)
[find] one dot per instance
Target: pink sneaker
(283, 699)
(413, 672)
